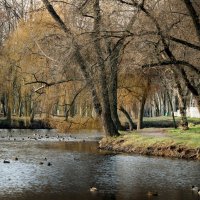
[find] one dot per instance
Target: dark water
(78, 165)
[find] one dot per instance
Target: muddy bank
(173, 151)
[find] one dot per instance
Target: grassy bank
(168, 143)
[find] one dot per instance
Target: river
(76, 164)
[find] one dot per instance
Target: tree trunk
(104, 109)
(108, 124)
(113, 101)
(198, 102)
(66, 111)
(32, 115)
(4, 110)
(194, 16)
(190, 86)
(131, 124)
(182, 107)
(183, 122)
(141, 113)
(114, 57)
(78, 57)
(172, 110)
(3, 102)
(9, 108)
(142, 104)
(9, 113)
(32, 111)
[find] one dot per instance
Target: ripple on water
(77, 166)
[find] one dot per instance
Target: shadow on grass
(166, 122)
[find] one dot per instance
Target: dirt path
(157, 132)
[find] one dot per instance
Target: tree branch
(175, 62)
(188, 44)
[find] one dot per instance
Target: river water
(77, 165)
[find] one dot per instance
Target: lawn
(189, 138)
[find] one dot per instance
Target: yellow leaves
(131, 87)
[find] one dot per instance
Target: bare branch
(176, 62)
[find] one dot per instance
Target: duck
(6, 161)
(195, 188)
(149, 193)
(49, 164)
(93, 189)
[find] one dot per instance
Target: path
(158, 132)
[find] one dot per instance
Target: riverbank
(173, 143)
(21, 123)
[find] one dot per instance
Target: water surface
(77, 165)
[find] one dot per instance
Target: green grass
(189, 138)
(138, 140)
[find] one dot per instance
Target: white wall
(191, 112)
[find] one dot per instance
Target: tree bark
(114, 51)
(141, 113)
(182, 105)
(194, 16)
(3, 102)
(104, 109)
(142, 104)
(113, 100)
(172, 110)
(108, 124)
(131, 124)
(32, 113)
(9, 105)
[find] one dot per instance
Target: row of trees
(61, 57)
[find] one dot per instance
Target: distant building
(192, 110)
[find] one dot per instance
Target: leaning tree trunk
(114, 60)
(104, 110)
(32, 113)
(194, 15)
(131, 124)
